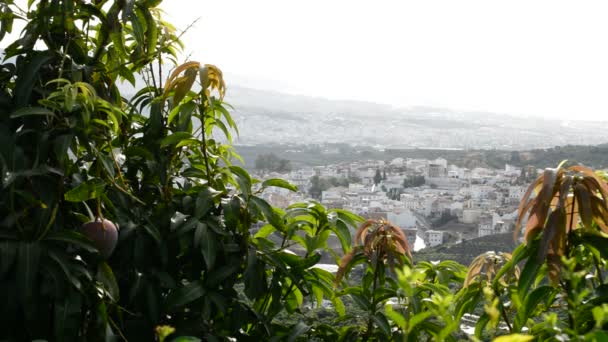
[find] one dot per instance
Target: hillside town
(432, 201)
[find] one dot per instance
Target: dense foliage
(592, 156)
(271, 163)
(199, 253)
(413, 181)
(319, 184)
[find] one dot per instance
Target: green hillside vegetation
(468, 250)
(127, 220)
(301, 155)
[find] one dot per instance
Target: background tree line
(269, 162)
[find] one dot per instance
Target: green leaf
(151, 27)
(41, 170)
(125, 73)
(204, 202)
(186, 339)
(209, 245)
(62, 261)
(297, 262)
(60, 147)
(138, 152)
(219, 124)
(348, 217)
(107, 163)
(531, 302)
(514, 338)
(343, 234)
(185, 295)
(154, 232)
(114, 116)
(218, 275)
(299, 329)
(183, 109)
(175, 138)
(27, 79)
(188, 142)
(119, 41)
(138, 28)
(279, 183)
(597, 336)
(28, 262)
(198, 232)
(480, 326)
(382, 323)
(28, 111)
(73, 238)
(219, 106)
(242, 178)
(467, 300)
(308, 262)
(86, 190)
(318, 241)
(395, 316)
(218, 300)
(254, 277)
(271, 216)
(232, 213)
(417, 319)
(107, 279)
(8, 251)
(353, 290)
(520, 253)
(265, 231)
(593, 238)
(527, 276)
(68, 315)
(339, 305)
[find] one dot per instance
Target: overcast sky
(542, 58)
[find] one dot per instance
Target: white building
(409, 201)
(436, 171)
(434, 237)
(485, 226)
(516, 193)
(481, 191)
(402, 218)
(471, 215)
(397, 162)
(440, 161)
(357, 187)
(333, 194)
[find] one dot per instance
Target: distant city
(449, 205)
(441, 175)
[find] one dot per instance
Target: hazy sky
(543, 58)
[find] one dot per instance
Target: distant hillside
(466, 251)
(593, 156)
(268, 117)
